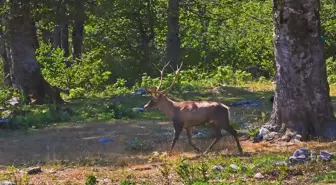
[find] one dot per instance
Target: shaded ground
(78, 143)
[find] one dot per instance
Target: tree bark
(5, 60)
(173, 41)
(302, 102)
(61, 30)
(65, 39)
(27, 76)
(78, 29)
(33, 32)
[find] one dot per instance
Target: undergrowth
(117, 101)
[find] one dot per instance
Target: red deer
(188, 114)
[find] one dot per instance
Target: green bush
(5, 94)
(88, 73)
(331, 70)
(38, 118)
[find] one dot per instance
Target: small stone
(302, 151)
(285, 138)
(326, 156)
(290, 133)
(34, 170)
(234, 166)
(7, 183)
(263, 131)
(258, 176)
(107, 181)
(218, 167)
(272, 135)
(298, 137)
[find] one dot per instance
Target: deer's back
(201, 111)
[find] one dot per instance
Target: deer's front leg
(189, 133)
(178, 126)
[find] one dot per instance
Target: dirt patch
(80, 143)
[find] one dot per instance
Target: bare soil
(69, 154)
(73, 143)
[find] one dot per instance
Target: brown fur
(188, 114)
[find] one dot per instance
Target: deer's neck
(168, 107)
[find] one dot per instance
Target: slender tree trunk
(25, 68)
(78, 29)
(65, 39)
(147, 35)
(202, 14)
(57, 41)
(302, 101)
(5, 60)
(173, 41)
(47, 36)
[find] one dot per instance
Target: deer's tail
(228, 108)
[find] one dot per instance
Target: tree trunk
(5, 60)
(57, 36)
(146, 38)
(302, 101)
(78, 29)
(33, 32)
(173, 41)
(25, 68)
(65, 39)
(47, 36)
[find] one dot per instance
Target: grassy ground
(69, 151)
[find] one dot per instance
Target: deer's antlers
(161, 72)
(161, 78)
(175, 78)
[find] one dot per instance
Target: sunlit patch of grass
(326, 177)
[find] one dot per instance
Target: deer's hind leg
(234, 133)
(218, 133)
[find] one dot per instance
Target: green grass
(106, 108)
(325, 177)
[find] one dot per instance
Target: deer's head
(158, 97)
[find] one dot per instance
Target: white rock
(218, 167)
(263, 131)
(7, 183)
(258, 176)
(234, 166)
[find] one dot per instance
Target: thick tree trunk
(5, 60)
(302, 101)
(173, 41)
(25, 68)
